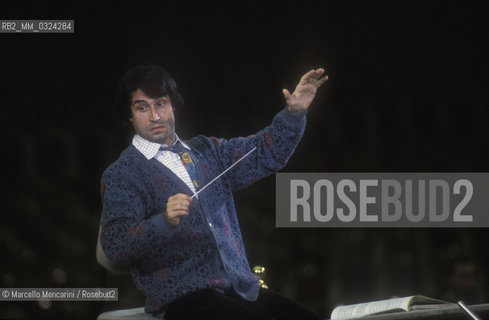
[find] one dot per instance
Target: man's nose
(154, 115)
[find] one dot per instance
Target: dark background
(407, 93)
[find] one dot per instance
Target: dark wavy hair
(153, 80)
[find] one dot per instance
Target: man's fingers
(286, 94)
(322, 80)
(314, 77)
(177, 206)
(309, 74)
(313, 74)
(176, 213)
(180, 196)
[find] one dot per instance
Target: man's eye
(142, 108)
(160, 104)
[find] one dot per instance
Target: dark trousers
(210, 304)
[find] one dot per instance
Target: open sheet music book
(385, 306)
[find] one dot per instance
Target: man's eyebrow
(139, 101)
(144, 101)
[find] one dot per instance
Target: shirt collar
(150, 149)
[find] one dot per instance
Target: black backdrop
(407, 93)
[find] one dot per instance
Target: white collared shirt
(168, 158)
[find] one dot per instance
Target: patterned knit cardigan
(206, 249)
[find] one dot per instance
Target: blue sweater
(206, 249)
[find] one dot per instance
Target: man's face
(153, 119)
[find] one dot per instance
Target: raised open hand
(305, 91)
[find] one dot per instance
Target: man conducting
(180, 237)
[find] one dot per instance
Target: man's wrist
(289, 108)
(296, 112)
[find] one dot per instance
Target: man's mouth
(157, 128)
